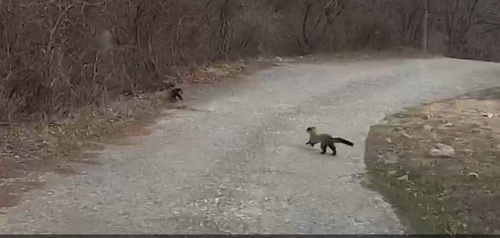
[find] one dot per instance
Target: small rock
(406, 135)
(388, 140)
(392, 172)
(442, 150)
(403, 178)
(475, 130)
(473, 175)
(488, 115)
(391, 159)
(122, 213)
(449, 124)
(428, 128)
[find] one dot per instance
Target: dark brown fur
(326, 140)
(175, 94)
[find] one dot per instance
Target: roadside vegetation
(439, 164)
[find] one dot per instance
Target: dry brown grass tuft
(434, 194)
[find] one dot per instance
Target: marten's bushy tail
(343, 141)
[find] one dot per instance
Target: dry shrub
(54, 60)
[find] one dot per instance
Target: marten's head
(311, 130)
(177, 91)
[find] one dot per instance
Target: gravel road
(242, 166)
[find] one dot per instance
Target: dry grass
(441, 195)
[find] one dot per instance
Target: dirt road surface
(240, 165)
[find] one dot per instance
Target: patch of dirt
(457, 193)
(10, 194)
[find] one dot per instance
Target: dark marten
(174, 94)
(326, 140)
